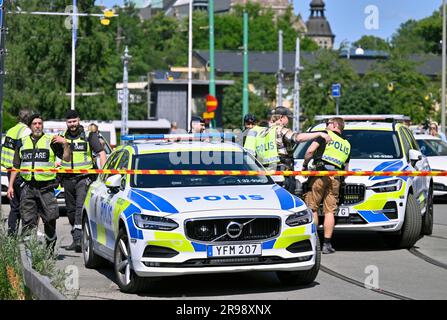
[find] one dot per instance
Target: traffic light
(105, 21)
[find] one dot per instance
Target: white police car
(399, 207)
(168, 225)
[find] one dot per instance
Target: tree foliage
(372, 43)
(422, 36)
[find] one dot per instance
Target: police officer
(273, 147)
(12, 140)
(82, 146)
(197, 125)
(38, 151)
(327, 156)
(252, 129)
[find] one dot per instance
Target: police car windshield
(365, 144)
(196, 160)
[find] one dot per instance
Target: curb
(40, 286)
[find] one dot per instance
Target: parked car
(436, 152)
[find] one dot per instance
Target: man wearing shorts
(327, 157)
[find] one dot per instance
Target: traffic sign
(336, 90)
(208, 115)
(211, 104)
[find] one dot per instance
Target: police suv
(400, 208)
(167, 224)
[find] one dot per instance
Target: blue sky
(347, 17)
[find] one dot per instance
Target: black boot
(74, 246)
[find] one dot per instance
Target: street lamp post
(443, 65)
(125, 103)
(73, 54)
(189, 102)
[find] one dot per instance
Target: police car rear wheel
(411, 228)
(91, 259)
(127, 279)
(301, 278)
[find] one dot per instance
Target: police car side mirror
(415, 155)
(113, 183)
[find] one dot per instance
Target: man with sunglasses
(330, 156)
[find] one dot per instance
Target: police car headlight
(299, 218)
(154, 223)
(387, 186)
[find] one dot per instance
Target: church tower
(318, 28)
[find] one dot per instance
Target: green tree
(422, 36)
(258, 102)
(372, 43)
(317, 79)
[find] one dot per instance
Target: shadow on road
(219, 285)
(213, 286)
(358, 241)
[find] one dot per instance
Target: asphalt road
(419, 273)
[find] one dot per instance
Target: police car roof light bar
(184, 136)
(366, 117)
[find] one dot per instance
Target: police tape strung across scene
(339, 173)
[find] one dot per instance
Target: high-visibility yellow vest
(337, 151)
(40, 156)
(266, 147)
(13, 136)
(250, 140)
(81, 155)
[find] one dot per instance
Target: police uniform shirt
(57, 148)
(322, 145)
(93, 139)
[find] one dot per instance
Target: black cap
(71, 114)
(281, 111)
(249, 118)
(197, 119)
(34, 116)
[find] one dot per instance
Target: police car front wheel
(411, 228)
(301, 278)
(127, 279)
(91, 259)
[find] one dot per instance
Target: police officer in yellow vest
(273, 147)
(38, 151)
(330, 156)
(75, 185)
(249, 135)
(12, 139)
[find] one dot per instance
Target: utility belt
(325, 166)
(43, 185)
(78, 177)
